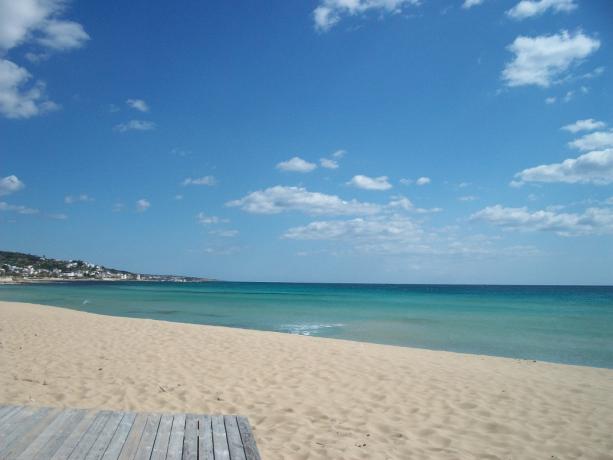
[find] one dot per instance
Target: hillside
(21, 266)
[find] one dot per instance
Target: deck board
(46, 433)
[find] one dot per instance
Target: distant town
(17, 267)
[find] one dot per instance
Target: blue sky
(328, 140)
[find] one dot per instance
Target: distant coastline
(21, 268)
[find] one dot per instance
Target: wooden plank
(251, 450)
(52, 430)
(133, 439)
(89, 438)
(205, 438)
(175, 443)
(119, 438)
(220, 441)
(160, 447)
(19, 425)
(58, 438)
(108, 431)
(190, 439)
(148, 438)
(75, 436)
(235, 444)
(34, 429)
(12, 420)
(6, 410)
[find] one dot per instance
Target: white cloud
(423, 181)
(328, 163)
(594, 167)
(205, 219)
(588, 124)
(142, 205)
(138, 104)
(550, 100)
(4, 206)
(62, 35)
(35, 22)
(468, 198)
(135, 125)
(296, 164)
(379, 227)
(224, 233)
(58, 216)
(118, 207)
(275, 200)
(370, 183)
(399, 235)
(70, 199)
(530, 8)
(330, 12)
(339, 154)
(592, 141)
(470, 3)
(540, 60)
(404, 181)
(591, 221)
(204, 180)
(19, 98)
(10, 184)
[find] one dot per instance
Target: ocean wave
(307, 329)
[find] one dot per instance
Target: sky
(386, 141)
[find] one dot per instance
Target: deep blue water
(566, 324)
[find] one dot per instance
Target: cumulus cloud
(135, 125)
(62, 35)
(296, 164)
(142, 205)
(10, 184)
(541, 60)
(138, 104)
(329, 12)
(328, 163)
(35, 22)
(592, 141)
(275, 200)
(4, 206)
(588, 124)
(591, 221)
(204, 180)
(531, 8)
(470, 3)
(423, 181)
(19, 96)
(339, 154)
(70, 199)
(370, 183)
(590, 168)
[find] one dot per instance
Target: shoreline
(323, 398)
(334, 339)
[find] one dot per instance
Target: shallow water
(566, 324)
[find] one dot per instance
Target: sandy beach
(309, 398)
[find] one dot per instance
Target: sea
(562, 324)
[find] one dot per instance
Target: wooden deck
(46, 433)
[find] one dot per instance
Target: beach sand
(309, 397)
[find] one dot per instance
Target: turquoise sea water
(567, 324)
